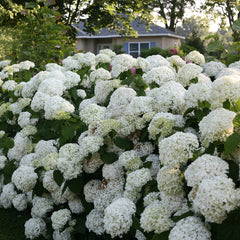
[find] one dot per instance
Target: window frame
(139, 47)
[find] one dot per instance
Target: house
(154, 36)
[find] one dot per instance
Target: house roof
(140, 27)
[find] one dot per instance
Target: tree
(96, 14)
(229, 9)
(171, 11)
(39, 39)
(194, 25)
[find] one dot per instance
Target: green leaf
(123, 143)
(194, 80)
(6, 143)
(147, 164)
(75, 185)
(204, 104)
(233, 171)
(109, 157)
(228, 229)
(227, 104)
(58, 177)
(231, 143)
(8, 170)
(178, 218)
(161, 236)
(236, 121)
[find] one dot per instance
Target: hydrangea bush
(114, 147)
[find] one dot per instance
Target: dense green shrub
(155, 51)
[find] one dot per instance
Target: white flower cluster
(104, 142)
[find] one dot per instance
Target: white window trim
(139, 50)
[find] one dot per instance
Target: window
(135, 48)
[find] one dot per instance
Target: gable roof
(140, 27)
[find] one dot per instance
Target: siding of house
(162, 42)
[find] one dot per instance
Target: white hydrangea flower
(154, 159)
(4, 63)
(156, 217)
(99, 74)
(92, 113)
(150, 198)
(9, 85)
(139, 235)
(143, 64)
(187, 73)
(94, 222)
(176, 60)
(60, 218)
(104, 88)
(86, 59)
(102, 58)
(212, 68)
(26, 65)
(215, 198)
(38, 101)
(71, 79)
(178, 148)
(90, 165)
(57, 108)
(156, 61)
(48, 182)
(216, 126)
(121, 63)
(170, 181)
(41, 206)
(91, 190)
(7, 195)
(138, 178)
(109, 191)
(62, 235)
(70, 63)
(24, 119)
(22, 146)
(34, 227)
(76, 206)
(169, 97)
(70, 160)
(228, 71)
(118, 217)
(81, 93)
(3, 160)
(235, 65)
(18, 106)
(24, 178)
(163, 124)
(130, 160)
(225, 88)
(52, 87)
(112, 171)
(159, 75)
(108, 52)
(190, 228)
(205, 167)
(43, 148)
(20, 202)
(140, 105)
(119, 101)
(195, 57)
(199, 92)
(90, 144)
